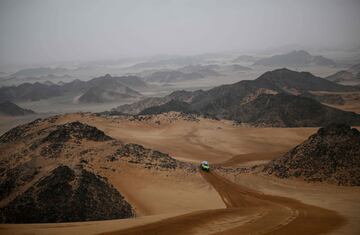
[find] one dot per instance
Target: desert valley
(118, 146)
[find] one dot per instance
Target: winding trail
(247, 212)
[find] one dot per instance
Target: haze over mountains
(110, 109)
(100, 89)
(295, 59)
(275, 99)
(172, 76)
(39, 72)
(166, 74)
(8, 108)
(65, 168)
(245, 58)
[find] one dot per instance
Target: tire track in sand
(247, 212)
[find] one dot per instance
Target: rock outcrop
(67, 195)
(331, 155)
(78, 130)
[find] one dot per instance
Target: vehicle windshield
(205, 163)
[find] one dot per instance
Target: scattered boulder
(137, 154)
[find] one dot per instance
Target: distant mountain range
(245, 58)
(8, 108)
(204, 70)
(102, 95)
(295, 59)
(37, 72)
(105, 88)
(169, 76)
(194, 72)
(168, 62)
(49, 78)
(276, 98)
(236, 68)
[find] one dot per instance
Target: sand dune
(183, 203)
(205, 139)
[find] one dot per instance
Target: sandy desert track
(247, 212)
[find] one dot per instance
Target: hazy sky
(44, 31)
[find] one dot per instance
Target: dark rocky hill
(67, 195)
(284, 110)
(172, 105)
(54, 171)
(295, 59)
(139, 106)
(37, 189)
(297, 82)
(243, 101)
(8, 108)
(331, 155)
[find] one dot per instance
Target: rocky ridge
(248, 101)
(150, 159)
